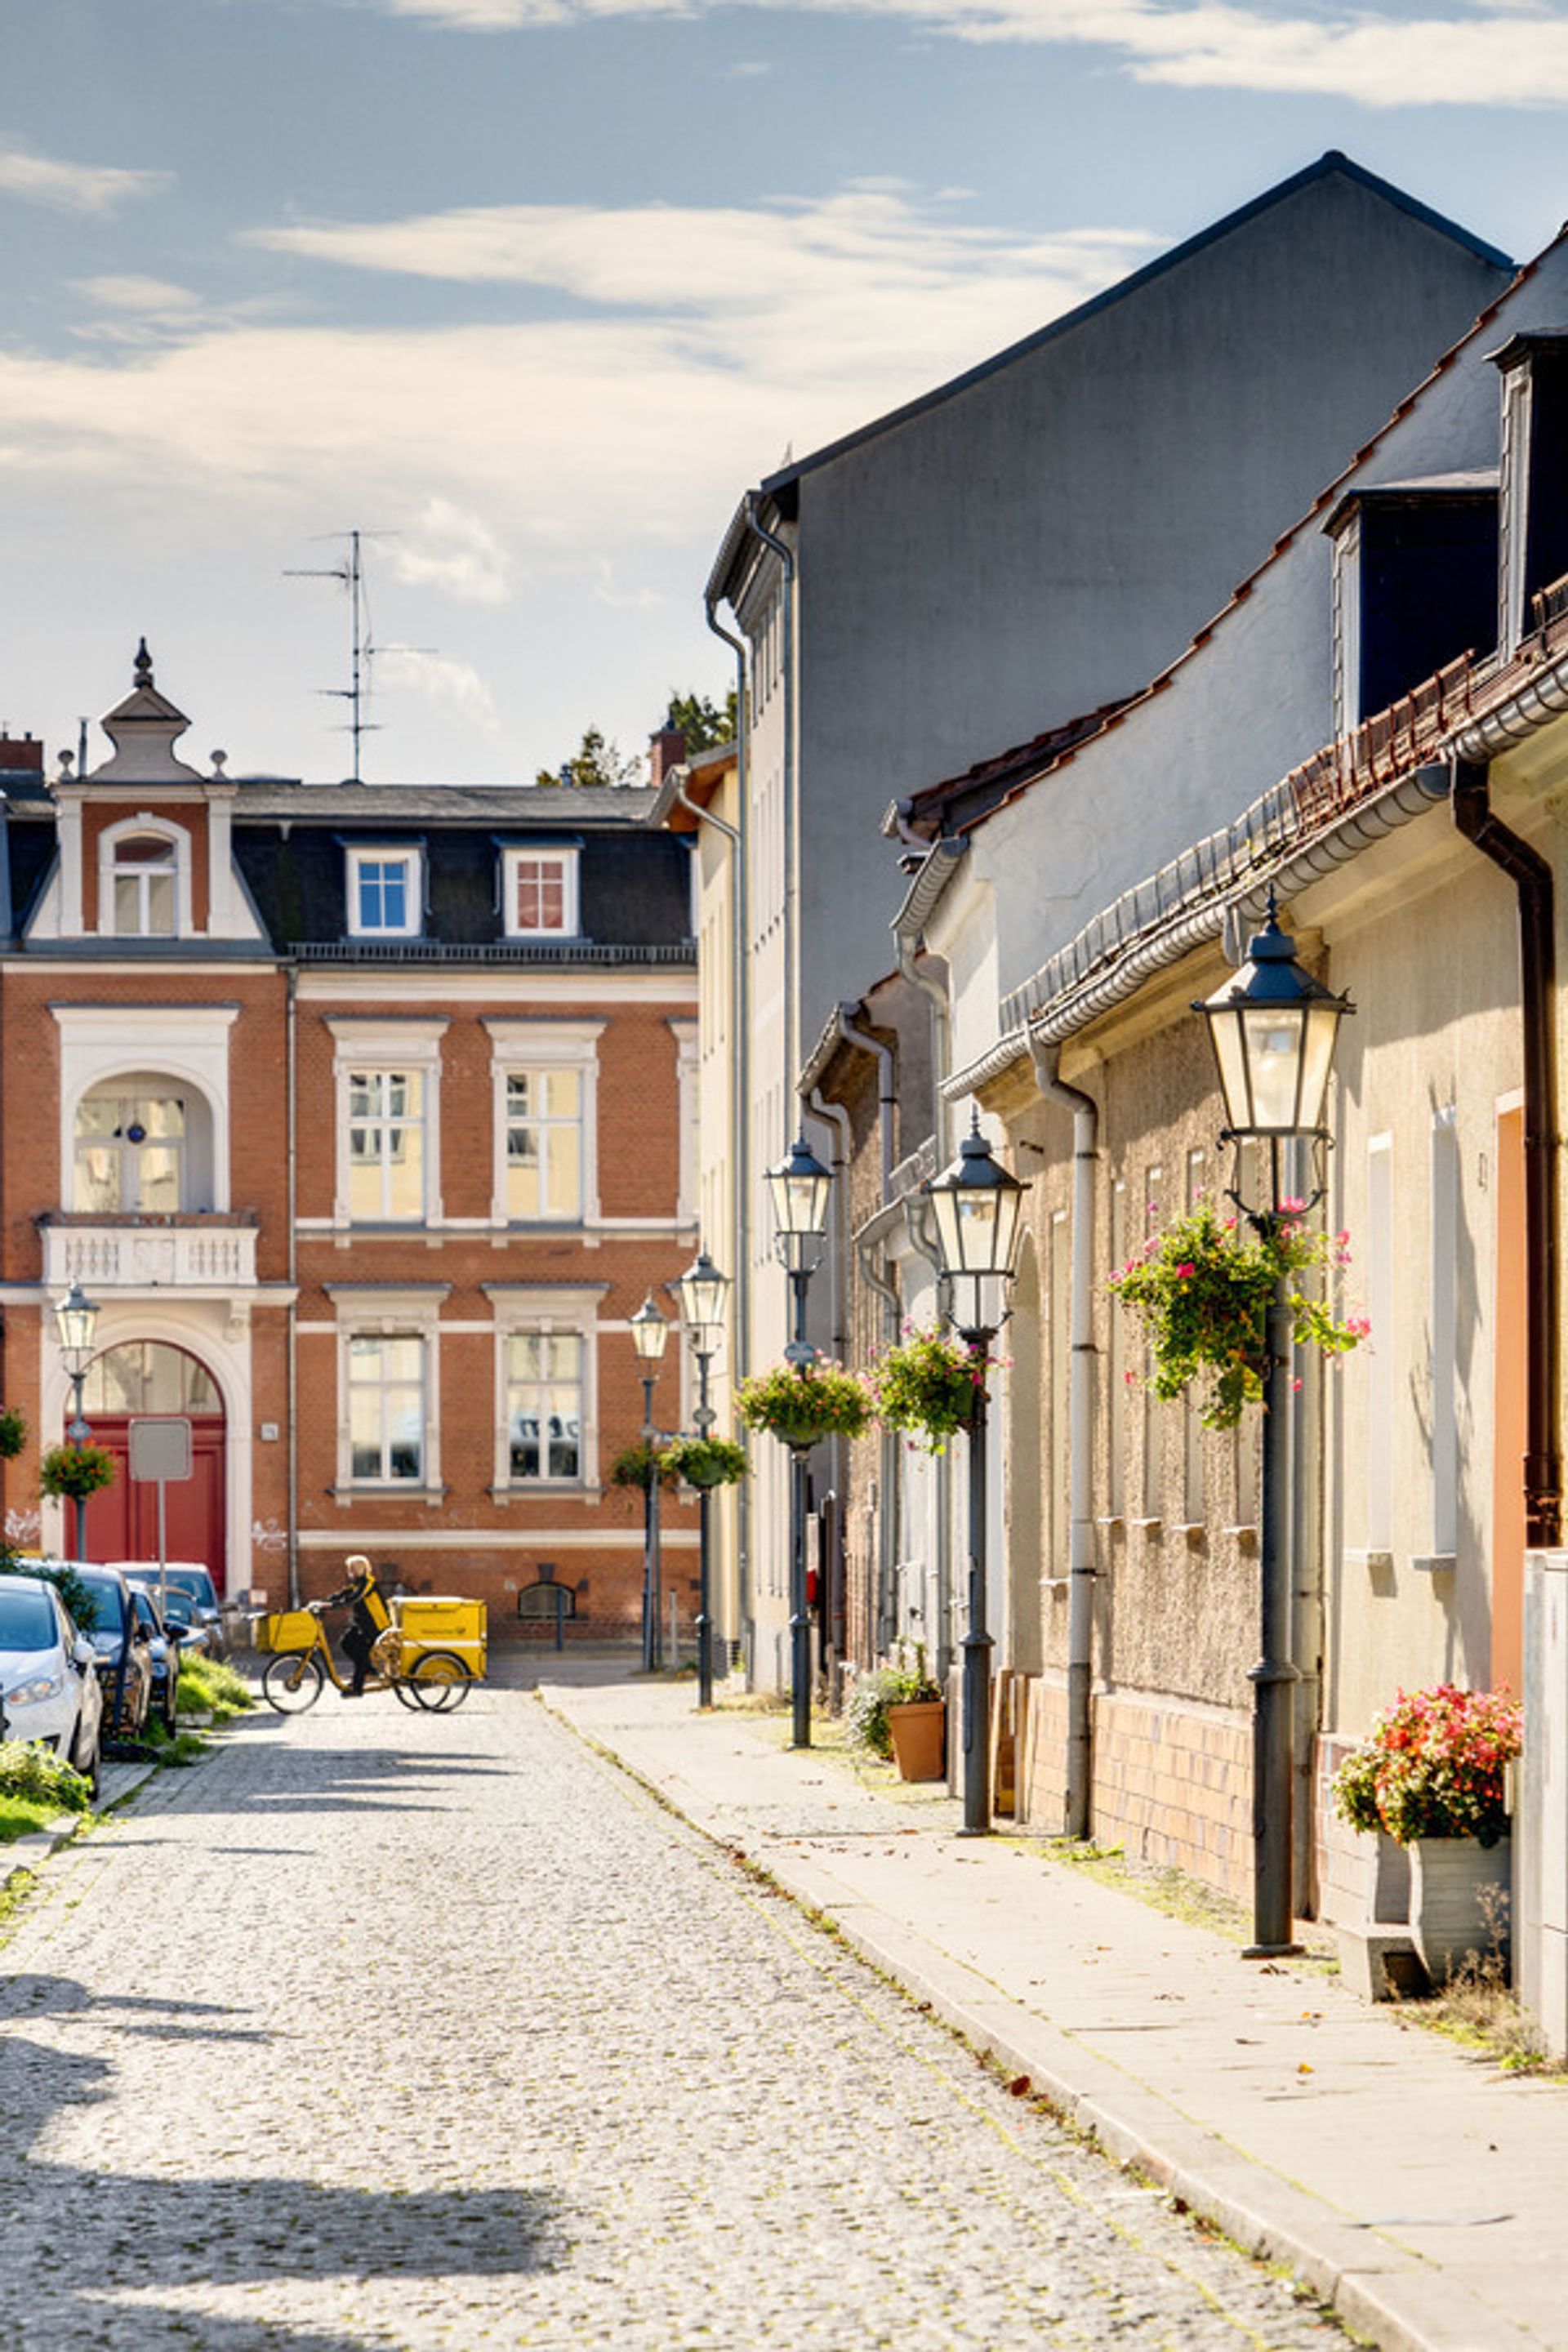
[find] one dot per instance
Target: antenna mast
(351, 572)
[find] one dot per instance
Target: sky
(530, 292)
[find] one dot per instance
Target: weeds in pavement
(210, 1686)
(177, 1748)
(1479, 2008)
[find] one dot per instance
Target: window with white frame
(545, 1374)
(144, 880)
(386, 1407)
(387, 1082)
(540, 893)
(384, 892)
(130, 1151)
(545, 1078)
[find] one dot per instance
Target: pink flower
(1183, 1272)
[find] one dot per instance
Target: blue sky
(535, 289)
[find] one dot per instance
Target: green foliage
(704, 723)
(635, 1466)
(211, 1686)
(75, 1472)
(27, 1769)
(597, 761)
(706, 1460)
(64, 1580)
(927, 1385)
(1433, 1767)
(866, 1709)
(803, 1402)
(13, 1432)
(1202, 1289)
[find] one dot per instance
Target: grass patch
(33, 1774)
(20, 1816)
(182, 1747)
(210, 1686)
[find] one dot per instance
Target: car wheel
(169, 1712)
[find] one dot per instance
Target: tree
(595, 762)
(703, 721)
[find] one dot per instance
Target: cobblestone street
(387, 2030)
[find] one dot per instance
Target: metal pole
(650, 1648)
(800, 1620)
(977, 1642)
(79, 1434)
(1272, 1677)
(704, 1623)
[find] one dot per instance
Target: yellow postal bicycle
(405, 1660)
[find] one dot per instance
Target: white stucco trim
(187, 1042)
(539, 1045)
(389, 1042)
(161, 828)
(388, 1311)
(522, 1307)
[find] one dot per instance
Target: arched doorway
(148, 1376)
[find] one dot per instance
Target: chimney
(666, 750)
(21, 755)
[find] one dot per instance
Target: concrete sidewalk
(1414, 2188)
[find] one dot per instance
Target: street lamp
(1273, 1028)
(649, 1332)
(76, 1321)
(703, 1291)
(976, 1205)
(799, 1187)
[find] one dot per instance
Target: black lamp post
(976, 1204)
(649, 1332)
(76, 1321)
(704, 1290)
(799, 1187)
(1273, 1028)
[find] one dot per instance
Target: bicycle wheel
(400, 1685)
(439, 1680)
(293, 1682)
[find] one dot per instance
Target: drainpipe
(838, 1118)
(917, 1213)
(785, 554)
(879, 1613)
(1532, 878)
(291, 1065)
(1047, 1059)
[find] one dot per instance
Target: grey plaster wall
(1052, 535)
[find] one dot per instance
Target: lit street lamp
(1273, 1028)
(702, 1291)
(649, 1332)
(799, 1187)
(976, 1205)
(76, 1321)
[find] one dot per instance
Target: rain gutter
(921, 900)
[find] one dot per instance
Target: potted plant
(706, 1462)
(13, 1432)
(927, 1384)
(1432, 1774)
(75, 1472)
(898, 1712)
(803, 1403)
(1202, 1288)
(636, 1466)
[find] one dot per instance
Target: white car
(48, 1687)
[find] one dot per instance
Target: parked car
(48, 1688)
(121, 1642)
(189, 1577)
(163, 1648)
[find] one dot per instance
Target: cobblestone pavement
(435, 2032)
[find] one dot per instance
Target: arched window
(147, 1376)
(145, 871)
(131, 1149)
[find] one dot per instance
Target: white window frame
(568, 860)
(388, 1045)
(98, 1042)
(411, 1313)
(519, 1045)
(110, 842)
(521, 1309)
(360, 854)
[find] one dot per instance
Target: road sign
(160, 1448)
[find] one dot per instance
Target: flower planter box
(1451, 1880)
(919, 1732)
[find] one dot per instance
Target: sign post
(160, 1452)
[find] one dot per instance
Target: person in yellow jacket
(369, 1619)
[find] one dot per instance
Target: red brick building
(366, 1116)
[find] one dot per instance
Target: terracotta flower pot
(919, 1732)
(1450, 1881)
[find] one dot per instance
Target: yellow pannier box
(433, 1621)
(286, 1629)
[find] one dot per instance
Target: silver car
(48, 1686)
(187, 1576)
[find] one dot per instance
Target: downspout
(291, 1067)
(838, 1118)
(888, 1448)
(920, 1236)
(1047, 1059)
(1532, 878)
(785, 554)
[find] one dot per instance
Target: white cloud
(1506, 53)
(439, 679)
(96, 188)
(149, 296)
(456, 551)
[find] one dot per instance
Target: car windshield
(106, 1599)
(27, 1620)
(197, 1583)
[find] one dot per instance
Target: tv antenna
(351, 573)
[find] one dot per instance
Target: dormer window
(144, 887)
(384, 893)
(540, 893)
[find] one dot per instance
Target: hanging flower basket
(13, 1432)
(1433, 1767)
(803, 1403)
(927, 1386)
(1202, 1289)
(636, 1466)
(75, 1472)
(706, 1460)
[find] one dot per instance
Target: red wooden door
(122, 1520)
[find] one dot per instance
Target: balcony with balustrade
(196, 1253)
